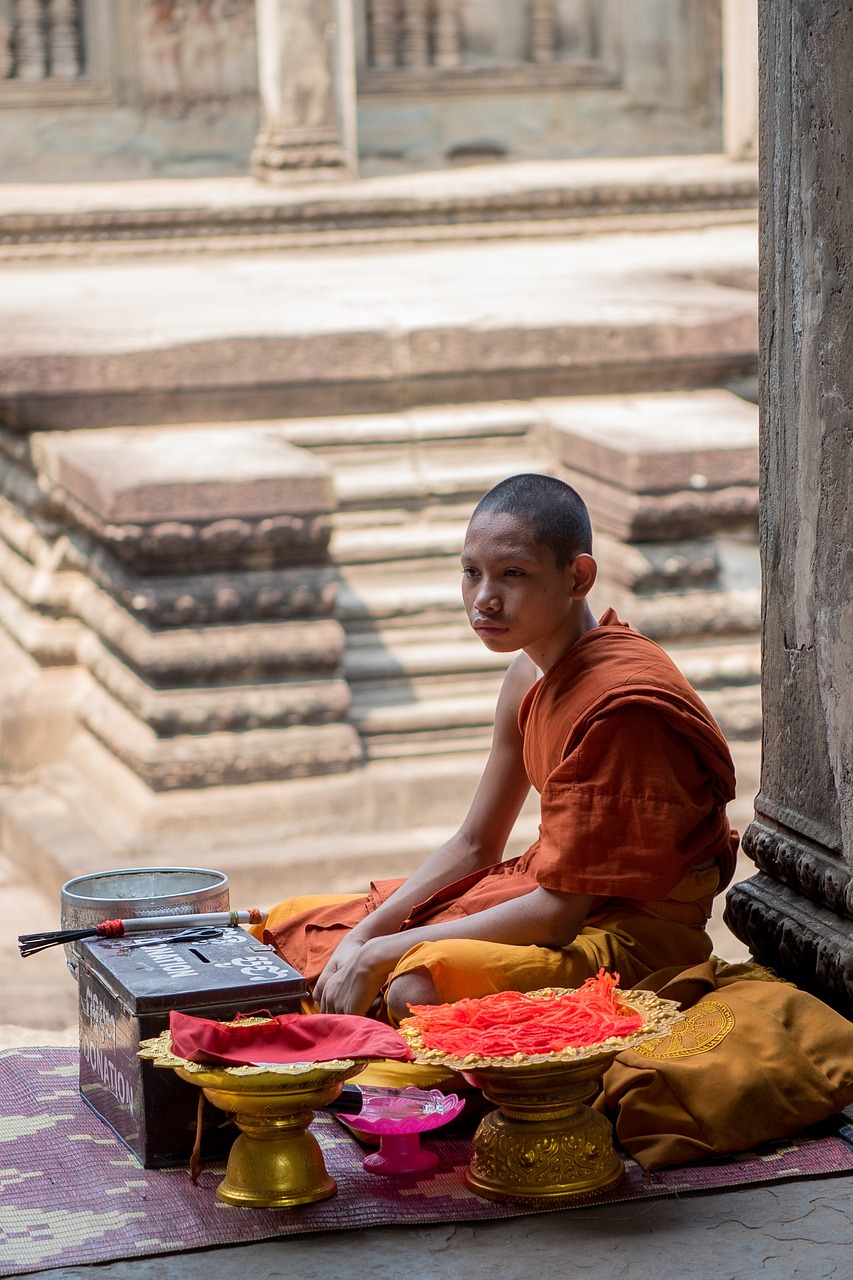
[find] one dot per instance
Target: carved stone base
(286, 157)
(802, 941)
(807, 866)
(543, 1142)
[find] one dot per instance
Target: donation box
(126, 993)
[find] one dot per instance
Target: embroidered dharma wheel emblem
(703, 1028)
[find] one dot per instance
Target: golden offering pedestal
(275, 1161)
(543, 1142)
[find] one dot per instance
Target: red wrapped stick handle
(212, 919)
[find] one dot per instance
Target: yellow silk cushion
(754, 1061)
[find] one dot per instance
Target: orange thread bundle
(509, 1022)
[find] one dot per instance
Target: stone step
(329, 333)
(376, 614)
(416, 696)
(406, 653)
(265, 862)
(429, 545)
(495, 201)
(343, 439)
(438, 722)
(392, 659)
(408, 486)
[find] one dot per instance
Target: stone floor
(780, 1232)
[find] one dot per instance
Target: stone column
(797, 913)
(740, 78)
(306, 51)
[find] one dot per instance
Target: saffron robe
(634, 777)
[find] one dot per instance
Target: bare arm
(479, 842)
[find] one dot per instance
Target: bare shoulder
(522, 673)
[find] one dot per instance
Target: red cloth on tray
(291, 1037)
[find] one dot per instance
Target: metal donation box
(126, 993)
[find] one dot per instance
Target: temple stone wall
(157, 87)
(510, 80)
(797, 911)
(120, 89)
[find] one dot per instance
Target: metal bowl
(139, 891)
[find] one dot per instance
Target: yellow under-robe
(634, 946)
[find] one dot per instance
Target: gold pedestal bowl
(275, 1161)
(544, 1142)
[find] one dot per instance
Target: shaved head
(552, 510)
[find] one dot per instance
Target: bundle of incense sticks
(30, 943)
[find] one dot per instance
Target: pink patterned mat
(71, 1193)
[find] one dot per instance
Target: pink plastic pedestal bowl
(400, 1149)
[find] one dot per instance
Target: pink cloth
(291, 1037)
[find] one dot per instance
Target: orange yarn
(509, 1022)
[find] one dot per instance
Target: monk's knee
(415, 987)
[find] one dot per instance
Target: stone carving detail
(802, 865)
(422, 35)
(801, 941)
(198, 600)
(307, 102)
(212, 646)
(219, 544)
(193, 51)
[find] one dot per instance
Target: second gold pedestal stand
(275, 1162)
(543, 1142)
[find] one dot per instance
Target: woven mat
(71, 1193)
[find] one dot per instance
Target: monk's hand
(339, 959)
(355, 983)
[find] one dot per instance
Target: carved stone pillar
(543, 30)
(64, 39)
(415, 33)
(740, 78)
(31, 40)
(7, 14)
(447, 34)
(306, 56)
(798, 912)
(382, 26)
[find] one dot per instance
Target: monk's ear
(584, 571)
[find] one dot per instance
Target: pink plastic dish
(400, 1149)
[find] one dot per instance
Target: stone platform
(482, 202)
(265, 335)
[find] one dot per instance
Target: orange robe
(634, 776)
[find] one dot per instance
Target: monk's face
(515, 595)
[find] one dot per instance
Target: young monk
(634, 777)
